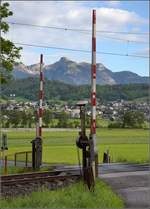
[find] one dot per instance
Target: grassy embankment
(125, 145)
(74, 196)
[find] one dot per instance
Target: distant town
(109, 110)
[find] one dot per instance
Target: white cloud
(143, 52)
(113, 3)
(66, 14)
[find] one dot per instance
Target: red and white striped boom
(41, 94)
(93, 80)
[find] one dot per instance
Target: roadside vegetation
(17, 170)
(74, 196)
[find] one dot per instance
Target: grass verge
(74, 196)
(17, 170)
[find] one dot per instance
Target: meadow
(125, 145)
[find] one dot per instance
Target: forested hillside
(28, 89)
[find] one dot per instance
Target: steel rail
(38, 179)
(37, 176)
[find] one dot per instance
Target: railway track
(39, 177)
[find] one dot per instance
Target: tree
(14, 118)
(133, 119)
(63, 120)
(9, 53)
(24, 119)
(30, 118)
(47, 117)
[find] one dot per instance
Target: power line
(125, 40)
(87, 31)
(81, 50)
(75, 29)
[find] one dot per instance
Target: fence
(20, 159)
(23, 157)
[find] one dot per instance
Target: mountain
(70, 72)
(22, 71)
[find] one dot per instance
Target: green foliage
(74, 196)
(63, 120)
(18, 119)
(9, 52)
(115, 125)
(56, 91)
(16, 170)
(4, 12)
(47, 117)
(133, 119)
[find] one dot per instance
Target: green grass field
(74, 196)
(125, 145)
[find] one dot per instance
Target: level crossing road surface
(130, 181)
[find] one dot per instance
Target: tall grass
(74, 196)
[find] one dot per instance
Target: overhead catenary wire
(88, 31)
(80, 50)
(75, 29)
(124, 40)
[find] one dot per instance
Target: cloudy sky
(124, 16)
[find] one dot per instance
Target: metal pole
(37, 128)
(82, 117)
(41, 96)
(93, 92)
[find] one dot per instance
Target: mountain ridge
(71, 72)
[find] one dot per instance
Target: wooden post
(15, 158)
(96, 164)
(5, 165)
(26, 159)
